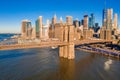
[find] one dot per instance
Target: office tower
(102, 34)
(46, 30)
(82, 22)
(54, 19)
(85, 25)
(115, 26)
(86, 33)
(61, 20)
(59, 31)
(92, 20)
(106, 31)
(39, 26)
(108, 34)
(26, 29)
(34, 32)
(29, 33)
(104, 18)
(69, 20)
(109, 18)
(76, 23)
(109, 24)
(96, 25)
(79, 23)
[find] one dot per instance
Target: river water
(45, 64)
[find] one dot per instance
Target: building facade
(26, 29)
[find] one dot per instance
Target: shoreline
(102, 53)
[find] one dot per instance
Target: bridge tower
(67, 35)
(71, 52)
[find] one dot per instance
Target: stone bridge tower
(66, 34)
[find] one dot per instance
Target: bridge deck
(48, 44)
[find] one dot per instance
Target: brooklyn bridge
(66, 42)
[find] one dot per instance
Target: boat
(54, 47)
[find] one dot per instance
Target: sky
(12, 12)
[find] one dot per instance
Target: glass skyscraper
(92, 20)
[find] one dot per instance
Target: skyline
(16, 11)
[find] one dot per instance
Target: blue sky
(12, 12)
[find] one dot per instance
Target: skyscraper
(104, 17)
(69, 20)
(34, 32)
(45, 30)
(115, 21)
(85, 25)
(39, 26)
(82, 22)
(54, 19)
(109, 18)
(76, 23)
(106, 30)
(61, 20)
(26, 28)
(90, 22)
(86, 33)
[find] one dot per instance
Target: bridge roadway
(48, 44)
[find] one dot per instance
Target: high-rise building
(109, 18)
(69, 20)
(82, 22)
(104, 18)
(61, 20)
(76, 23)
(106, 31)
(39, 26)
(96, 25)
(102, 34)
(34, 32)
(26, 29)
(46, 30)
(90, 22)
(86, 33)
(85, 25)
(54, 19)
(115, 26)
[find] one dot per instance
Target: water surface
(45, 64)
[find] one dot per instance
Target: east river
(45, 64)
